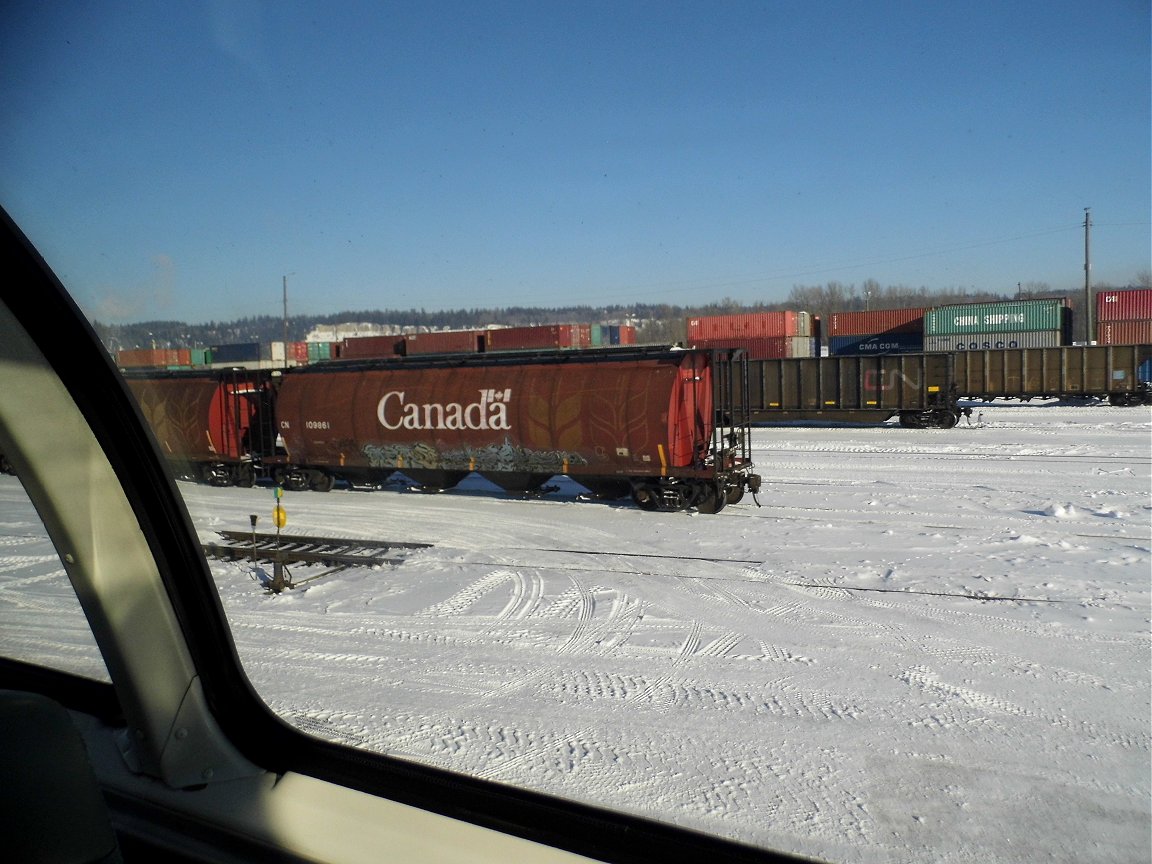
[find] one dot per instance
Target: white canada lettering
(490, 411)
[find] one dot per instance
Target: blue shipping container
(244, 352)
(879, 343)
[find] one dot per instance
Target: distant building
(340, 332)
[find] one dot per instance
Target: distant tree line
(654, 322)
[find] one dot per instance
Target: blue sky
(175, 160)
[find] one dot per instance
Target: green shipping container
(1011, 316)
(318, 351)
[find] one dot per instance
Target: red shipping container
(544, 336)
(627, 334)
(361, 347)
(876, 322)
(444, 342)
(136, 357)
(1124, 332)
(767, 348)
(298, 351)
(751, 325)
(1133, 304)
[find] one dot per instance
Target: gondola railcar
(917, 388)
(1111, 372)
(924, 390)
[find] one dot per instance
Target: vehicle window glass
(41, 620)
(923, 634)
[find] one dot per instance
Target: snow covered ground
(924, 646)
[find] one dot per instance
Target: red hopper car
(640, 422)
(667, 427)
(214, 426)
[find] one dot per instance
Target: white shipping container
(992, 341)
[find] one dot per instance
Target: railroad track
(284, 549)
(725, 576)
(944, 454)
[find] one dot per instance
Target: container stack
(763, 335)
(613, 334)
(164, 358)
(884, 331)
(1124, 317)
(318, 351)
(1044, 323)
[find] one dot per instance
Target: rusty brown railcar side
(595, 418)
(917, 387)
(1098, 371)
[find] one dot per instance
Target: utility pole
(286, 315)
(1087, 278)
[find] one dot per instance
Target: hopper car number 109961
(667, 427)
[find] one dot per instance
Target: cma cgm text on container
(876, 343)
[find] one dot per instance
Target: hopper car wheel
(681, 496)
(321, 481)
(296, 481)
(213, 474)
(1123, 400)
(946, 419)
(711, 498)
(644, 497)
(911, 420)
(734, 494)
(245, 476)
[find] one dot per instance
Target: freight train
(925, 390)
(670, 428)
(914, 364)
